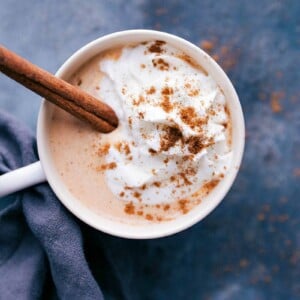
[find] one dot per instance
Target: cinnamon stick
(59, 92)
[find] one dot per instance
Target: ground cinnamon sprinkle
(160, 64)
(127, 149)
(151, 90)
(166, 207)
(190, 171)
(166, 104)
(130, 121)
(137, 195)
(211, 111)
(122, 194)
(123, 148)
(193, 93)
(191, 62)
(139, 101)
(149, 217)
(210, 185)
(103, 150)
(140, 213)
(152, 151)
(195, 144)
(187, 115)
(129, 208)
(172, 178)
(156, 47)
(187, 59)
(157, 183)
(167, 91)
(109, 166)
(118, 146)
(185, 179)
(183, 205)
(143, 66)
(171, 136)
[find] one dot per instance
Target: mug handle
(21, 178)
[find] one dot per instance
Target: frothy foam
(173, 136)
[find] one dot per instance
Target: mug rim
(174, 226)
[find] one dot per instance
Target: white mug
(45, 170)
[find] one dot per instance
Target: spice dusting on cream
(173, 139)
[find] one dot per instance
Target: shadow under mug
(44, 170)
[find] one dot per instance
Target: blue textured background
(248, 248)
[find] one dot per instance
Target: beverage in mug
(173, 146)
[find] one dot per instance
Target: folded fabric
(41, 245)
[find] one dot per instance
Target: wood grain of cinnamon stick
(59, 92)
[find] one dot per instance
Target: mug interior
(147, 230)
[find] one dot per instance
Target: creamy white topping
(172, 136)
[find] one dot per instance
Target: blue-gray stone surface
(249, 247)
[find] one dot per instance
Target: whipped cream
(173, 135)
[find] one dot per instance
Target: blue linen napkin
(41, 245)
